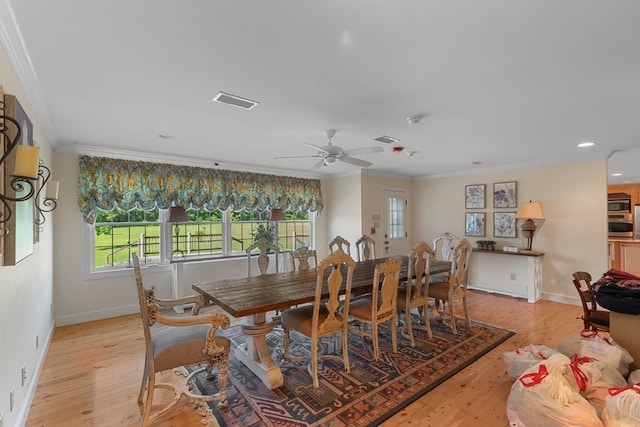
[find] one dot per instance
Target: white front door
(394, 223)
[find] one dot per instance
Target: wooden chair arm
(198, 300)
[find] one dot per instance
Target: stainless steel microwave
(620, 225)
(619, 204)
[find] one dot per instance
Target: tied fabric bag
(634, 377)
(594, 379)
(589, 343)
(623, 407)
(520, 360)
(618, 291)
(546, 395)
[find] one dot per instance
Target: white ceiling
(502, 82)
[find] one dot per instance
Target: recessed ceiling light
(236, 101)
(586, 144)
(387, 139)
(616, 174)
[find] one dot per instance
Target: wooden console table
(493, 273)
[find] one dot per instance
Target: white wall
(343, 211)
(573, 235)
(25, 292)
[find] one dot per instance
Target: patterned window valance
(106, 184)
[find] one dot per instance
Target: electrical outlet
(11, 401)
(24, 375)
(513, 276)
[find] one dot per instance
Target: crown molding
(14, 46)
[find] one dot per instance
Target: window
(396, 217)
(116, 234)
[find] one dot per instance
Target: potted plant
(487, 245)
(263, 231)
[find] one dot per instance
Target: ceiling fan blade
(354, 161)
(363, 150)
(298, 157)
(318, 165)
(320, 149)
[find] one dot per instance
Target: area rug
(370, 394)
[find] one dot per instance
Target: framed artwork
(504, 195)
(474, 196)
(474, 224)
(504, 224)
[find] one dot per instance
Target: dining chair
(263, 246)
(380, 307)
(455, 287)
(415, 293)
(300, 258)
(173, 342)
(597, 320)
(340, 242)
(365, 248)
(443, 246)
(323, 317)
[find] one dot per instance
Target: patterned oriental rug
(369, 395)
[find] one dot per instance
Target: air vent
(387, 139)
(236, 101)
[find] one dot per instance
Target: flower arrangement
(488, 245)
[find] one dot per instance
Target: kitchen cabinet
(630, 257)
(612, 258)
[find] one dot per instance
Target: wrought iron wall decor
(49, 202)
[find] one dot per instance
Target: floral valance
(106, 184)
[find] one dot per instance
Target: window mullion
(226, 232)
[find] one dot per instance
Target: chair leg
(145, 377)
(410, 328)
(466, 310)
(285, 343)
(374, 338)
(427, 321)
(146, 414)
(314, 363)
(394, 334)
(345, 348)
(222, 381)
(453, 318)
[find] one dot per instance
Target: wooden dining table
(253, 297)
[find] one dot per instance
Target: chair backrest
(335, 281)
(418, 272)
(582, 282)
(263, 246)
(448, 242)
(365, 248)
(341, 243)
(147, 308)
(384, 296)
(460, 267)
(301, 256)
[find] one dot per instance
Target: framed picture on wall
(474, 196)
(504, 195)
(504, 224)
(474, 224)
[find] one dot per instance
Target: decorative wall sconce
(25, 171)
(49, 203)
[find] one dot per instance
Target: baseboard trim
(96, 315)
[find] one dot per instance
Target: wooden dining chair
(365, 248)
(173, 342)
(597, 320)
(340, 242)
(455, 287)
(323, 317)
(380, 307)
(443, 246)
(300, 258)
(263, 247)
(415, 293)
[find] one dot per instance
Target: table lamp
(529, 210)
(177, 214)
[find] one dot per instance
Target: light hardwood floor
(92, 372)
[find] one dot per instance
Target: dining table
(253, 297)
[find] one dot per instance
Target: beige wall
(573, 235)
(343, 210)
(25, 291)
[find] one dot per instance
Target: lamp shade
(276, 215)
(177, 214)
(530, 210)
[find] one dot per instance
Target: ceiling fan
(330, 153)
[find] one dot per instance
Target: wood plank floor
(92, 372)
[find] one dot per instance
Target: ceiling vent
(236, 101)
(387, 139)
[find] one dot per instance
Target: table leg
(255, 354)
